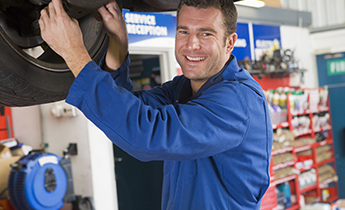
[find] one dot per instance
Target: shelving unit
(305, 161)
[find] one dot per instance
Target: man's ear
(230, 42)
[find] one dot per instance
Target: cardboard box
(5, 169)
(18, 152)
(11, 142)
(21, 151)
(5, 152)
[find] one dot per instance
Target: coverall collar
(185, 93)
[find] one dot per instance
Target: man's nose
(193, 42)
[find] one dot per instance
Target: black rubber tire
(26, 81)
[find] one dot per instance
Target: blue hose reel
(40, 181)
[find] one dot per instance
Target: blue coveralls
(216, 145)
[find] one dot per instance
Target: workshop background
(294, 48)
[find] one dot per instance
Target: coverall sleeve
(121, 75)
(121, 78)
(215, 122)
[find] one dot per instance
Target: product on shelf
(301, 142)
(282, 138)
(324, 153)
(305, 159)
(301, 125)
(317, 206)
(323, 93)
(311, 197)
(277, 100)
(321, 121)
(327, 172)
(321, 136)
(325, 194)
(282, 158)
(284, 189)
(281, 199)
(307, 178)
(285, 172)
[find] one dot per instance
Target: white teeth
(196, 58)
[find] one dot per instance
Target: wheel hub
(19, 20)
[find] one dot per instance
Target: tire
(26, 81)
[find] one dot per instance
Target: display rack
(309, 164)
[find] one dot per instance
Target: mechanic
(210, 126)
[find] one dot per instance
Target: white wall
(298, 39)
(324, 12)
(331, 41)
(58, 133)
(93, 168)
(27, 125)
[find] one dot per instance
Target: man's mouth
(195, 58)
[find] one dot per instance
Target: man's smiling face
(200, 48)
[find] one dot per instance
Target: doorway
(331, 73)
(139, 184)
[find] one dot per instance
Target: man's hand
(64, 36)
(115, 25)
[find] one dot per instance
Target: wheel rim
(19, 27)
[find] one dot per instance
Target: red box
(6, 130)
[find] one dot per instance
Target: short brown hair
(227, 8)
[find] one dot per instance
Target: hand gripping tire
(26, 80)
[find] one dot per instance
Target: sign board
(336, 67)
(242, 48)
(331, 69)
(265, 37)
(142, 26)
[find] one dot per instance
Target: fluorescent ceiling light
(251, 3)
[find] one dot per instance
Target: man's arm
(115, 25)
(64, 36)
(156, 131)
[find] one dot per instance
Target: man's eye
(206, 34)
(183, 32)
